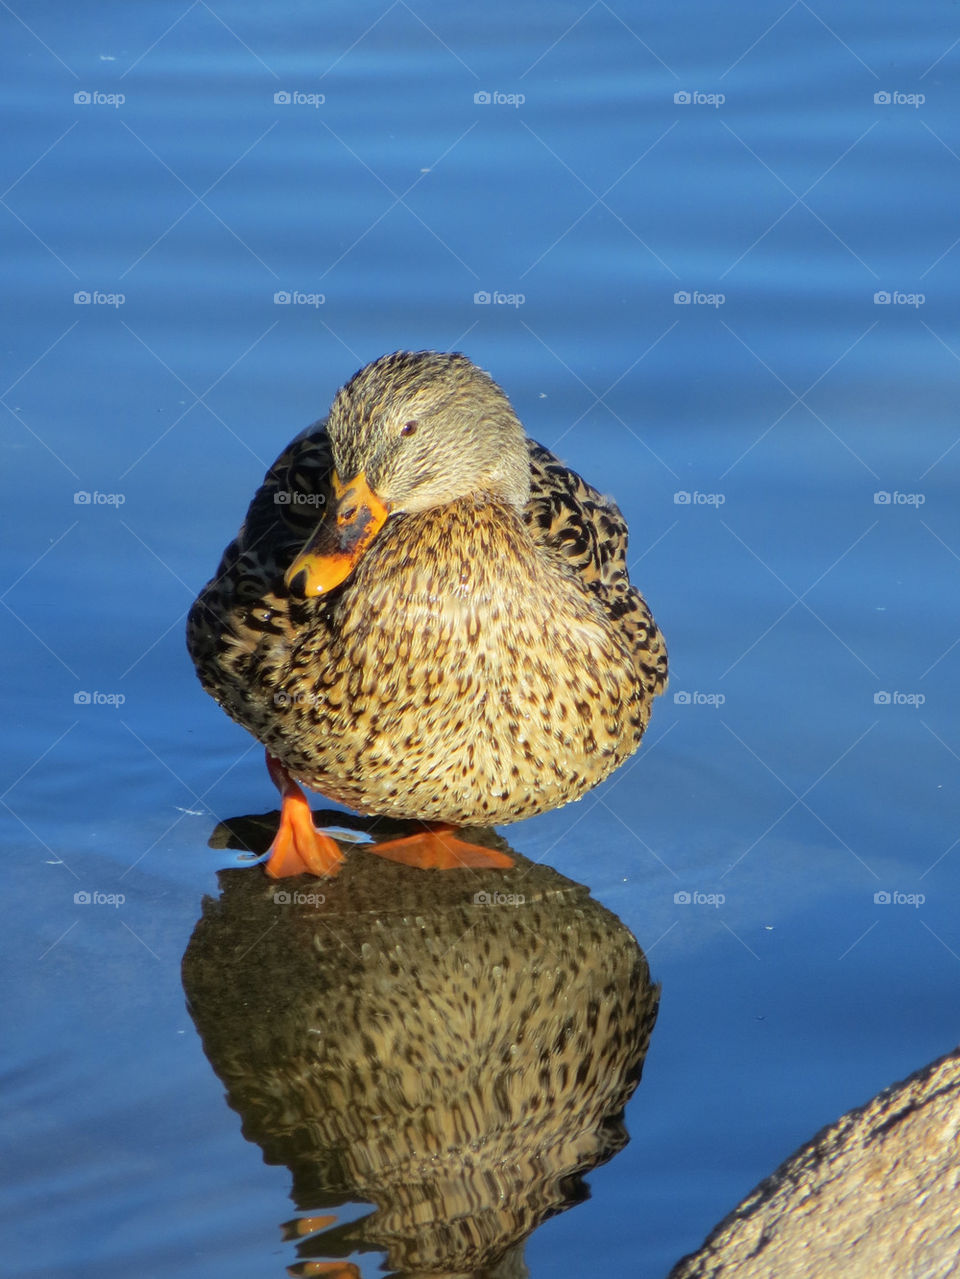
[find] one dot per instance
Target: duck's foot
(298, 847)
(302, 1226)
(436, 847)
(332, 1269)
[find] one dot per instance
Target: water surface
(792, 768)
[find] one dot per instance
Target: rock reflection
(454, 1047)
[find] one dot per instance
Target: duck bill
(353, 520)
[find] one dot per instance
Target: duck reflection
(454, 1047)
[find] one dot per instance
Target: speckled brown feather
(481, 665)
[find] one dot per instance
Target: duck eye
(408, 428)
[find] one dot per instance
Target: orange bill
(351, 523)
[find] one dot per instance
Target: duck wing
(291, 500)
(587, 533)
(243, 618)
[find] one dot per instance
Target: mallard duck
(455, 1049)
(426, 615)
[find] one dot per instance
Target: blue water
(787, 585)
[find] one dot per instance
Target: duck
(427, 616)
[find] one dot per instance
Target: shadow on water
(455, 1048)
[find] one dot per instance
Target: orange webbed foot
(437, 847)
(298, 847)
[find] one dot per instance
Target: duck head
(411, 431)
